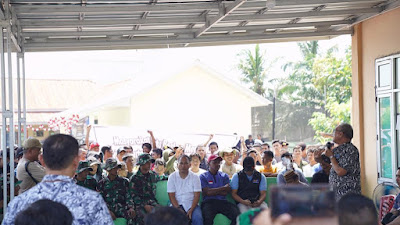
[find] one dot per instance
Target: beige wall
(118, 116)
(202, 104)
(374, 38)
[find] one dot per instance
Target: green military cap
(144, 158)
(83, 165)
(92, 160)
(111, 163)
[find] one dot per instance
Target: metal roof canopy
(66, 25)
(63, 25)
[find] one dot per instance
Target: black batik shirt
(348, 158)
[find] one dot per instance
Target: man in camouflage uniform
(114, 190)
(142, 188)
(95, 164)
(82, 177)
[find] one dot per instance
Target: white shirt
(184, 189)
(230, 170)
(309, 170)
(201, 171)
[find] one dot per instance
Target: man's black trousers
(211, 207)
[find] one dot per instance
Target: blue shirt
(397, 202)
(317, 168)
(86, 206)
(214, 181)
(235, 182)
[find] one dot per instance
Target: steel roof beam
(163, 7)
(182, 31)
(26, 23)
(284, 2)
(56, 9)
(223, 12)
(388, 7)
(169, 41)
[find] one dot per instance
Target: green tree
(333, 77)
(298, 88)
(323, 84)
(325, 123)
(252, 67)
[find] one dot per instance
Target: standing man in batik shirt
(142, 188)
(114, 190)
(345, 172)
(61, 157)
(81, 178)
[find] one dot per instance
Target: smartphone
(303, 201)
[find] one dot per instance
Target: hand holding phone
(303, 201)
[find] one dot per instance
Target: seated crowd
(126, 185)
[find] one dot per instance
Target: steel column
(4, 115)
(24, 92)
(19, 98)
(21, 119)
(11, 135)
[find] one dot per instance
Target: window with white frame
(387, 83)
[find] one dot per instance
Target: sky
(110, 66)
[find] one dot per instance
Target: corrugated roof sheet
(50, 25)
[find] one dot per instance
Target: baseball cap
(32, 143)
(20, 152)
(214, 157)
(111, 163)
(248, 164)
(144, 158)
(127, 155)
(94, 145)
(257, 145)
(92, 161)
(83, 165)
(122, 149)
(93, 154)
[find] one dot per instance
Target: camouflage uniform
(115, 192)
(16, 183)
(142, 189)
(129, 175)
(89, 182)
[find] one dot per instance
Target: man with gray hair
(29, 170)
(345, 159)
(184, 189)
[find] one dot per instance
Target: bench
(162, 198)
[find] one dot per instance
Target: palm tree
(299, 87)
(252, 67)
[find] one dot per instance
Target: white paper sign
(126, 136)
